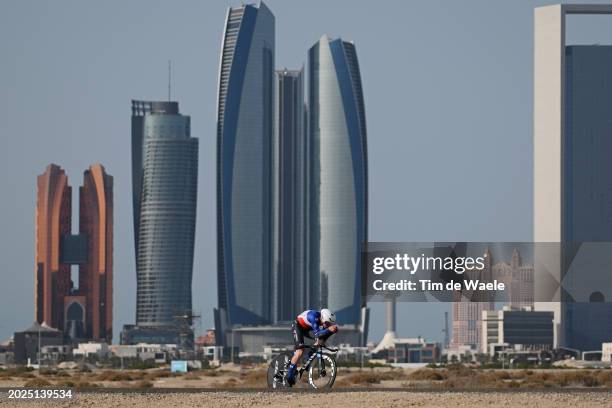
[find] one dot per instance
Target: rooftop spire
(169, 80)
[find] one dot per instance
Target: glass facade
(587, 187)
(139, 110)
(528, 328)
(338, 177)
(291, 277)
(166, 210)
(245, 220)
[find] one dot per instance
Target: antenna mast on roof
(169, 80)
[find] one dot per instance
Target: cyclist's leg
(298, 340)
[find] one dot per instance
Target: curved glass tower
(166, 218)
(244, 167)
(339, 182)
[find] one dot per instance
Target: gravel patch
(336, 400)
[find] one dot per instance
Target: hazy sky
(448, 94)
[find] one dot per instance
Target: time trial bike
(320, 365)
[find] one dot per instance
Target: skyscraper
(291, 278)
(338, 176)
(80, 305)
(139, 110)
(518, 278)
(53, 222)
(164, 176)
(245, 220)
(572, 170)
(467, 314)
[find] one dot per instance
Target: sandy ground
(336, 400)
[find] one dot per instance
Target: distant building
(214, 354)
(124, 351)
(79, 305)
(287, 184)
(159, 353)
(516, 329)
(6, 352)
(389, 338)
(461, 354)
(245, 181)
(467, 314)
(171, 334)
(292, 288)
(207, 339)
(164, 183)
(253, 340)
(410, 350)
(54, 354)
(572, 172)
(339, 178)
(28, 344)
(606, 352)
(518, 279)
(99, 350)
(415, 352)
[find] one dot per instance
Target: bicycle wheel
(322, 377)
(277, 371)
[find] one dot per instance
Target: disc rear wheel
(277, 371)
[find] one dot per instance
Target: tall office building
(338, 177)
(139, 110)
(518, 278)
(164, 176)
(291, 203)
(245, 179)
(291, 278)
(467, 310)
(53, 222)
(572, 171)
(80, 304)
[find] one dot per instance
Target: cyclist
(314, 324)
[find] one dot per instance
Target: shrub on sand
(428, 374)
(37, 383)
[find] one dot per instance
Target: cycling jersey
(310, 320)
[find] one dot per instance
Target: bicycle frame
(318, 354)
(280, 372)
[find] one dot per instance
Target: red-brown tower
(53, 222)
(81, 307)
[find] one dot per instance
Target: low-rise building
(250, 341)
(124, 351)
(523, 329)
(159, 353)
(408, 350)
(206, 340)
(462, 353)
(55, 354)
(91, 349)
(606, 352)
(214, 354)
(179, 335)
(415, 351)
(6, 352)
(29, 343)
